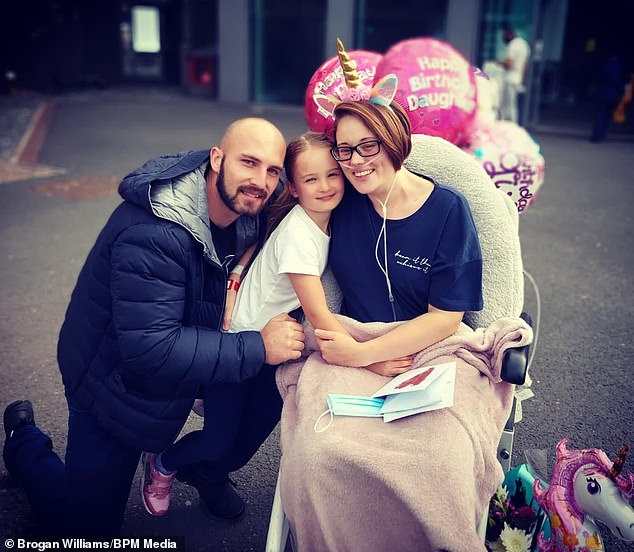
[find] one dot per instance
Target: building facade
(265, 51)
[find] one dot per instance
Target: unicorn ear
(383, 92)
(326, 104)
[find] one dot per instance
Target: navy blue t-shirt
(433, 256)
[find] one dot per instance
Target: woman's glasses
(364, 149)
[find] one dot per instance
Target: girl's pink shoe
(155, 486)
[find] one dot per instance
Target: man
(515, 62)
(610, 87)
(141, 336)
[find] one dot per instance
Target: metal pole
(532, 97)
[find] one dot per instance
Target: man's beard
(233, 202)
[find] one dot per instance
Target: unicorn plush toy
(585, 486)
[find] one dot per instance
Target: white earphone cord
(383, 231)
(538, 315)
(385, 271)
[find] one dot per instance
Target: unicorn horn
(348, 65)
(616, 468)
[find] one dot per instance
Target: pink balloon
(329, 80)
(436, 86)
(511, 158)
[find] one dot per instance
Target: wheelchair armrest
(515, 362)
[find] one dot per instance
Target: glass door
(380, 24)
(141, 47)
(286, 48)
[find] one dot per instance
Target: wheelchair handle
(515, 362)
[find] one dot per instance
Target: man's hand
(283, 339)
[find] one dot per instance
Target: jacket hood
(173, 187)
(134, 187)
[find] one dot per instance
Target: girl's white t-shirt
(296, 246)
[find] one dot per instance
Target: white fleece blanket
(419, 483)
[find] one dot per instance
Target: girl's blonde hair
(285, 201)
(389, 124)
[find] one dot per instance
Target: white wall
(233, 51)
(463, 23)
(339, 24)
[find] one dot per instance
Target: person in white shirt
(286, 272)
(515, 62)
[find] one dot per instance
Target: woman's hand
(339, 348)
(391, 368)
(343, 350)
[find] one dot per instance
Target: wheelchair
(496, 220)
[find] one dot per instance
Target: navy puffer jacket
(141, 330)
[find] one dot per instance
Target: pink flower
(361, 92)
(353, 95)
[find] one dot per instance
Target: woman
(404, 251)
(403, 247)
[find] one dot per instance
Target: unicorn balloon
(585, 486)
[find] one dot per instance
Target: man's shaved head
(245, 169)
(241, 130)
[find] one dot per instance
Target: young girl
(284, 276)
(286, 273)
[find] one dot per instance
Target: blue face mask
(350, 405)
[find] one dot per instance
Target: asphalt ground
(576, 239)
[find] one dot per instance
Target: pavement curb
(28, 150)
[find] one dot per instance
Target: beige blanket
(419, 483)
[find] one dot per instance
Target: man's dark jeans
(88, 496)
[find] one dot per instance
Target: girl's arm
(312, 298)
(238, 271)
(236, 276)
(406, 339)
